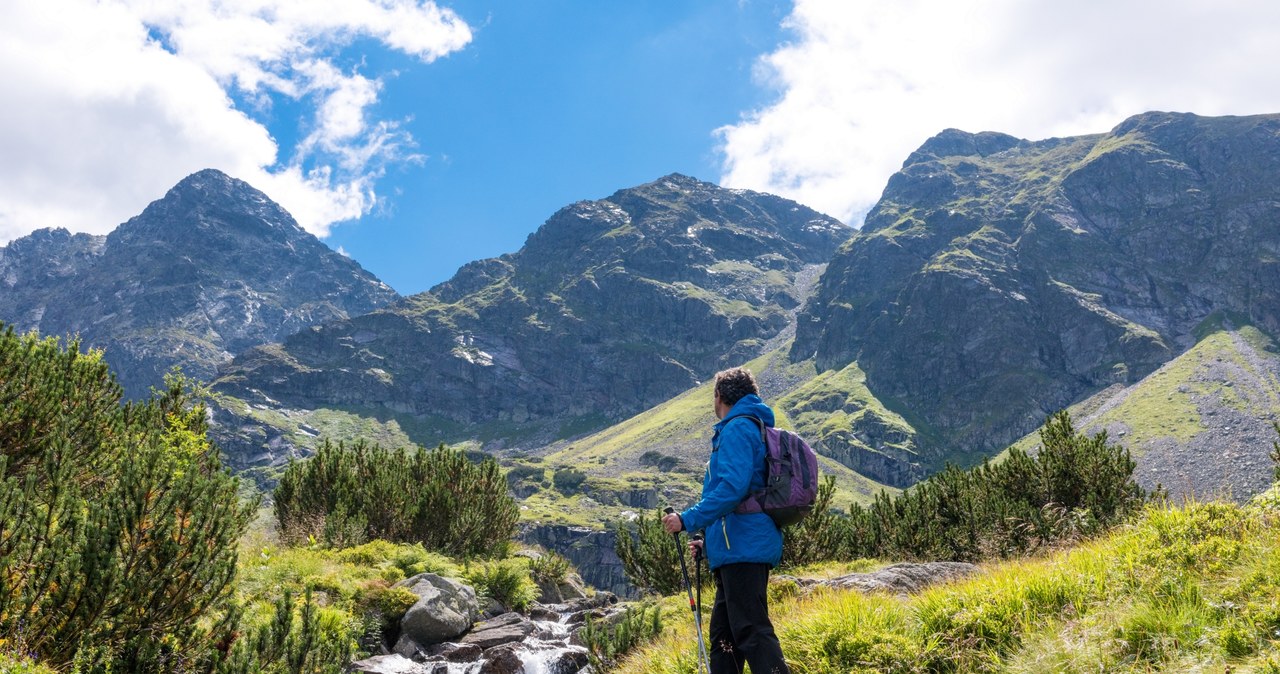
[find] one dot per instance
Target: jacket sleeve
(729, 485)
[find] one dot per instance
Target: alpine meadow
(1041, 376)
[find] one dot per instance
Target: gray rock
(899, 578)
(455, 652)
(445, 609)
(389, 664)
(502, 660)
(505, 629)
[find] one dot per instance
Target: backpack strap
(759, 422)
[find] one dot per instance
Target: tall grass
(1180, 589)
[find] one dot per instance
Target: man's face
(720, 408)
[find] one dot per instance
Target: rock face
(612, 306)
(999, 280)
(210, 270)
(591, 551)
(445, 609)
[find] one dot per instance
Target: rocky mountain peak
(212, 268)
(957, 143)
(212, 203)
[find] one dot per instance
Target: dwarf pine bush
(1075, 486)
(118, 524)
(348, 494)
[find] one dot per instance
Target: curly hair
(734, 383)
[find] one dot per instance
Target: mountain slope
(998, 279)
(611, 307)
(1201, 424)
(211, 269)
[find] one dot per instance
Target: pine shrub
(118, 524)
(347, 494)
(650, 556)
(606, 643)
(1076, 486)
(506, 581)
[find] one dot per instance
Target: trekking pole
(697, 569)
(697, 614)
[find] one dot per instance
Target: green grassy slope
(1201, 423)
(625, 456)
(1182, 589)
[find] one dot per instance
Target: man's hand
(695, 548)
(672, 523)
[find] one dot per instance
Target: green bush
(650, 556)
(347, 494)
(296, 640)
(549, 568)
(506, 580)
(1076, 486)
(119, 527)
(568, 480)
(605, 644)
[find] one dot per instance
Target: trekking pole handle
(697, 550)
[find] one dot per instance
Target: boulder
(898, 578)
(445, 609)
(569, 588)
(506, 628)
(389, 664)
(456, 652)
(502, 660)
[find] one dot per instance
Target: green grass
(1181, 589)
(681, 427)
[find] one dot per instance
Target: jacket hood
(749, 405)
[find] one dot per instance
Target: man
(741, 549)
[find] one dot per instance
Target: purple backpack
(791, 478)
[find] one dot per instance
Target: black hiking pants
(741, 633)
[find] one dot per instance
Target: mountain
(1201, 425)
(611, 307)
(999, 279)
(211, 269)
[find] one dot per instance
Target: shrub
(347, 494)
(548, 569)
(662, 462)
(818, 537)
(295, 640)
(568, 480)
(1076, 486)
(605, 644)
(118, 524)
(650, 556)
(506, 580)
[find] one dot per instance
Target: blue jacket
(735, 470)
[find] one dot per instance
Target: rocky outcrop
(591, 551)
(208, 271)
(611, 307)
(998, 280)
(897, 579)
(445, 609)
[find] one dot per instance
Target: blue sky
(418, 135)
(551, 102)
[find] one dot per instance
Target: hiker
(741, 549)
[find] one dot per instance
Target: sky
(416, 136)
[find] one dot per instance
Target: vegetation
(347, 494)
(507, 581)
(1076, 486)
(650, 558)
(606, 643)
(1180, 589)
(144, 585)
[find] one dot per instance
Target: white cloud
(865, 83)
(109, 102)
